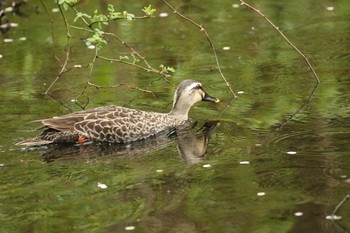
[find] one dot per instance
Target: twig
(118, 18)
(133, 51)
(202, 29)
(284, 37)
(63, 69)
(130, 63)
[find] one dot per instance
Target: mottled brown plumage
(119, 124)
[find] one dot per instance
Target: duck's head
(187, 94)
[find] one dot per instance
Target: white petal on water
(130, 228)
(163, 14)
(235, 5)
(206, 165)
(101, 185)
(244, 162)
(159, 170)
(333, 217)
(291, 152)
(298, 214)
(330, 8)
(226, 48)
(240, 92)
(8, 40)
(261, 194)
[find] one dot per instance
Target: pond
(275, 159)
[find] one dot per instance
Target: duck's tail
(33, 142)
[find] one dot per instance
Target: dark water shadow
(191, 143)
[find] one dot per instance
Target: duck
(116, 124)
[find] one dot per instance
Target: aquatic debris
(0, 55)
(130, 228)
(1, 164)
(298, 214)
(206, 165)
(55, 10)
(226, 48)
(291, 152)
(333, 217)
(159, 170)
(260, 194)
(330, 8)
(8, 40)
(101, 185)
(91, 47)
(240, 92)
(22, 38)
(235, 5)
(163, 14)
(244, 162)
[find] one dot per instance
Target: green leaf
(149, 11)
(128, 16)
(110, 8)
(81, 15)
(65, 6)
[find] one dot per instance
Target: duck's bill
(210, 98)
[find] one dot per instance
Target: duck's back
(114, 124)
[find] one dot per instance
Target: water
(264, 168)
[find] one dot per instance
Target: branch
(202, 29)
(63, 69)
(284, 37)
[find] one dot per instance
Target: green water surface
(264, 165)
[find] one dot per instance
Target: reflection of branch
(202, 29)
(300, 109)
(341, 203)
(284, 37)
(333, 216)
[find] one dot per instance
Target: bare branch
(202, 29)
(284, 37)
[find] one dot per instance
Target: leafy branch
(99, 37)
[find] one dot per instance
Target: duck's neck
(180, 108)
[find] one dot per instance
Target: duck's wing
(67, 122)
(131, 125)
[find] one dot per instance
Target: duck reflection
(191, 142)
